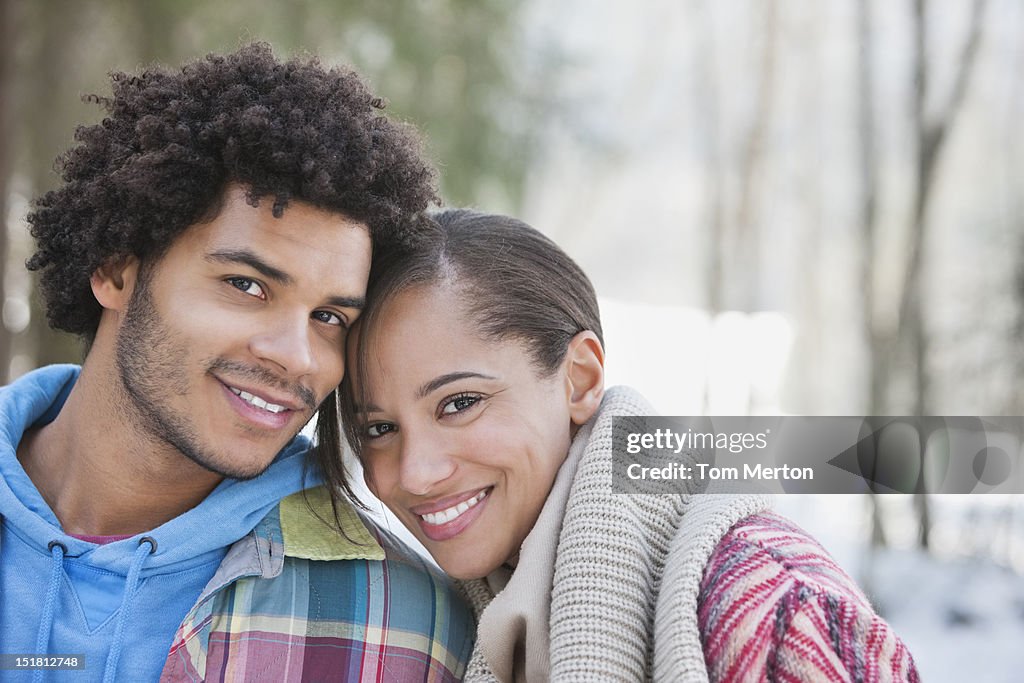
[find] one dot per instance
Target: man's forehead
(300, 227)
(334, 233)
(241, 218)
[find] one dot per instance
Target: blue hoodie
(117, 604)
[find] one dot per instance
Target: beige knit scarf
(606, 586)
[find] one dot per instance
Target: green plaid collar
(307, 528)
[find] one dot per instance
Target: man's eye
(456, 404)
(250, 287)
(375, 431)
(328, 318)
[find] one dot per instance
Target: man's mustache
(266, 377)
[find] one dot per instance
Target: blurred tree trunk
(869, 237)
(746, 276)
(710, 94)
(1013, 159)
(931, 134)
(48, 133)
(6, 163)
(1015, 402)
(869, 208)
(733, 249)
(931, 137)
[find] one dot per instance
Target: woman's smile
(441, 523)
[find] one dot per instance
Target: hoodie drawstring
(57, 551)
(131, 584)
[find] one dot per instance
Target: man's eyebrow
(439, 382)
(250, 259)
(356, 302)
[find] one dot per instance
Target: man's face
(234, 337)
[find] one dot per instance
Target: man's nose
(287, 343)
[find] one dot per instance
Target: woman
(476, 404)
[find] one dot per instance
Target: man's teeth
(256, 401)
(447, 515)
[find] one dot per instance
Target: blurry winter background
(787, 206)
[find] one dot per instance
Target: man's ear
(113, 282)
(584, 372)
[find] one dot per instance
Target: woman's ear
(113, 282)
(584, 371)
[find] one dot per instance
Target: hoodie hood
(119, 604)
(228, 513)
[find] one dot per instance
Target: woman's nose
(424, 464)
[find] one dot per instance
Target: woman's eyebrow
(430, 386)
(448, 378)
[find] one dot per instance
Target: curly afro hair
(173, 142)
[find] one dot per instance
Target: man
(211, 244)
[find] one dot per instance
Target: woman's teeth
(256, 401)
(448, 514)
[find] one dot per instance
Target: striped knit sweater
(774, 606)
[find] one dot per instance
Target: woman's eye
(250, 287)
(328, 318)
(375, 431)
(457, 404)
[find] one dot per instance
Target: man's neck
(100, 475)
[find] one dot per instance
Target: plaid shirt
(293, 603)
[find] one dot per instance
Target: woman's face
(463, 439)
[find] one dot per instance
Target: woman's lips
(448, 522)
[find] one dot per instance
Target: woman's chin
(464, 571)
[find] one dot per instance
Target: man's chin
(224, 467)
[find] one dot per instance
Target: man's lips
(262, 398)
(257, 411)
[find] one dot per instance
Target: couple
(213, 244)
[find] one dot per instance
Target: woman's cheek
(372, 476)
